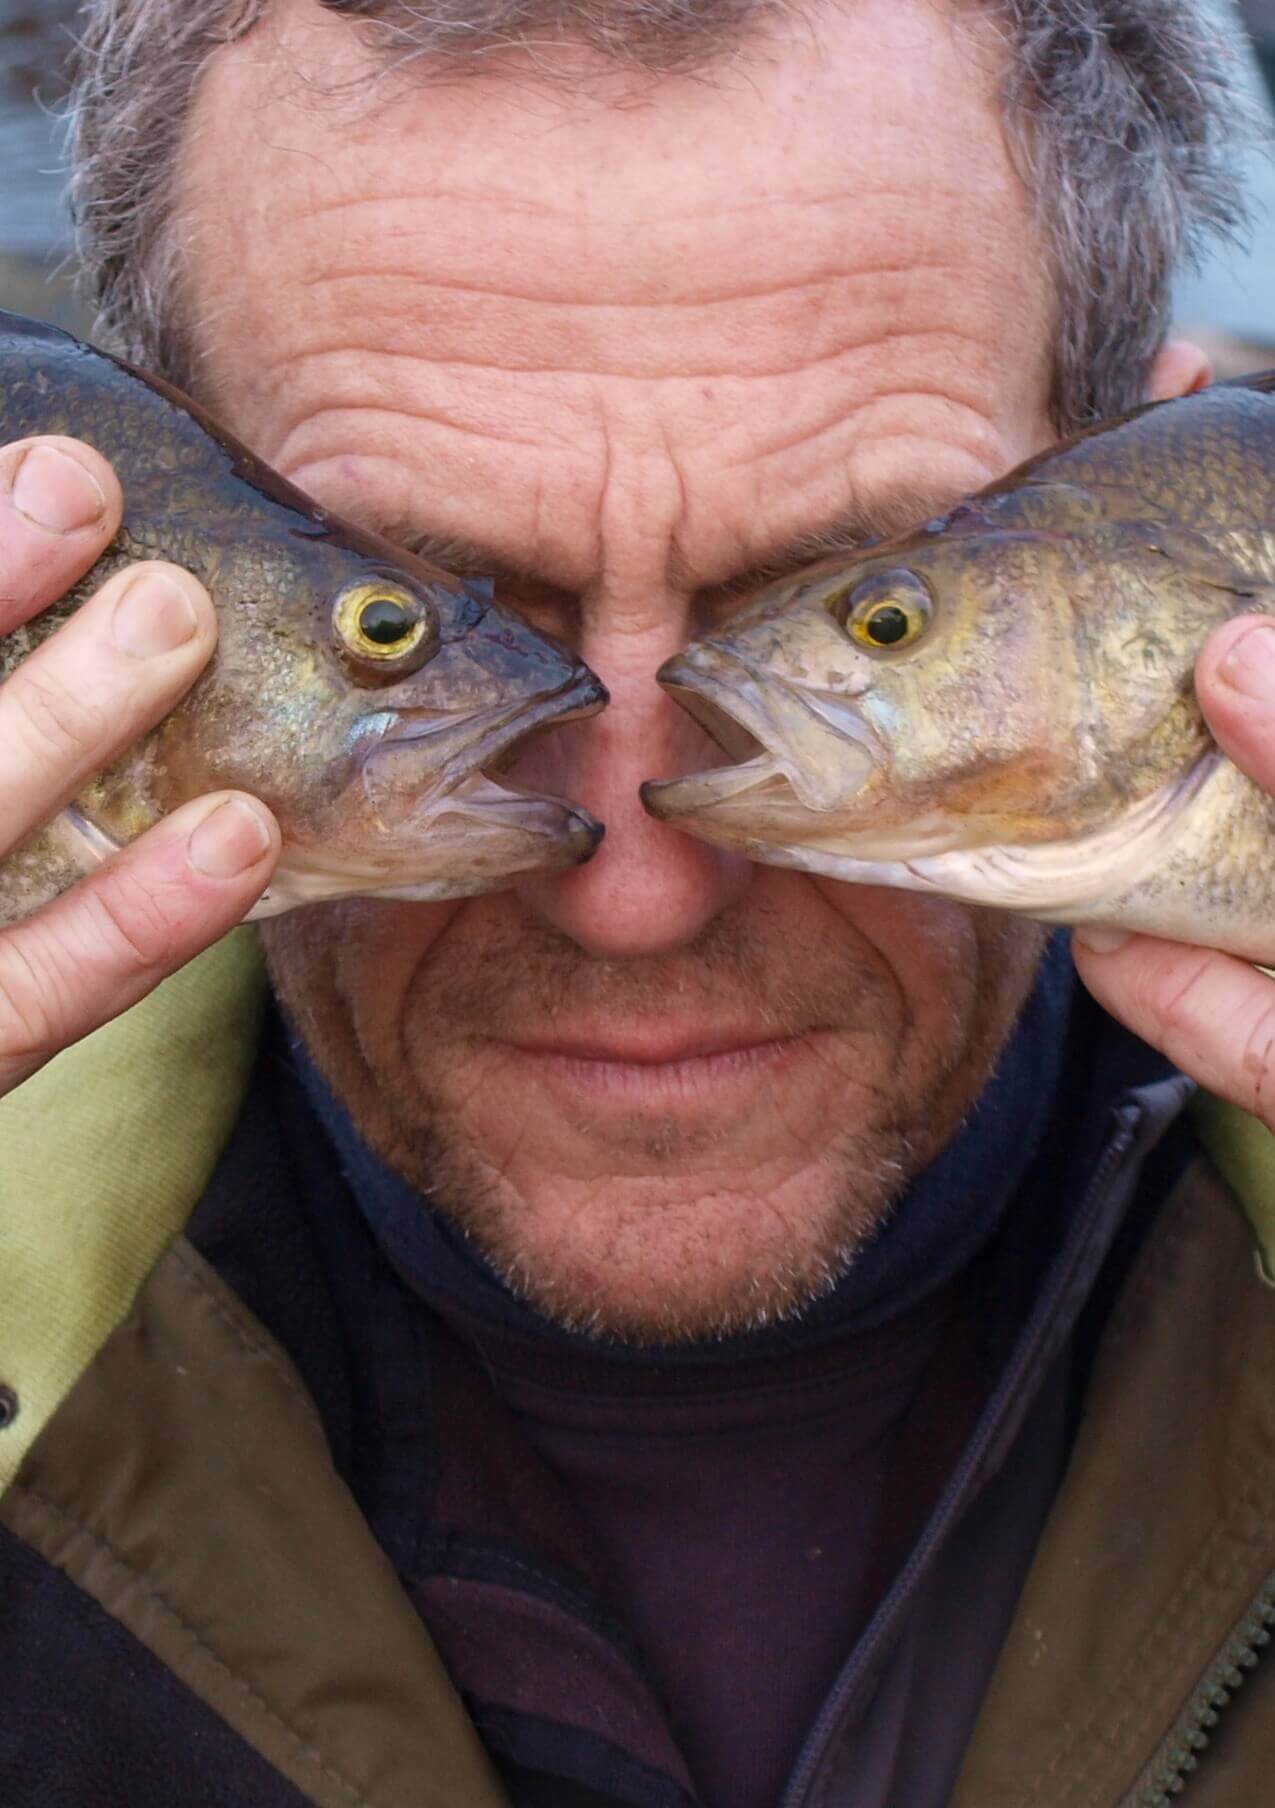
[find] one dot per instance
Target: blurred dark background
(1231, 304)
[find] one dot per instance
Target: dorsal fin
(22, 326)
(1254, 379)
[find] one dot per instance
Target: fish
(998, 707)
(368, 698)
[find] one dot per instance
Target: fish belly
(1214, 882)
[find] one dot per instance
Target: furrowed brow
(876, 518)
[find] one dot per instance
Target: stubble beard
(656, 1271)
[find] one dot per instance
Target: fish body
(357, 691)
(1000, 708)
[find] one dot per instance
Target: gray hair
(1122, 114)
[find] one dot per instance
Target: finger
(1235, 683)
(60, 508)
(96, 686)
(1212, 1015)
(110, 940)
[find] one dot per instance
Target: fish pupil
(385, 622)
(887, 626)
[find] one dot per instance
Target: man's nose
(649, 889)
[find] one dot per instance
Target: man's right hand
(95, 686)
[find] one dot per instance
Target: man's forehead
(828, 115)
(744, 305)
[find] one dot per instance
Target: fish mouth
(425, 773)
(796, 754)
(426, 819)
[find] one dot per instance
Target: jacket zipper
(1123, 1149)
(1179, 1756)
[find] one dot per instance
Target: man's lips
(656, 1045)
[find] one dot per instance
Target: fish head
(892, 693)
(373, 701)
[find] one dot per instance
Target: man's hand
(110, 673)
(1211, 1014)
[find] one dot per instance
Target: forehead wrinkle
(706, 293)
(454, 552)
(364, 388)
(966, 425)
(868, 505)
(668, 358)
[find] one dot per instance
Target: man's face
(626, 343)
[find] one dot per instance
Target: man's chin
(648, 1262)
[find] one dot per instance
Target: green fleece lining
(1242, 1150)
(104, 1155)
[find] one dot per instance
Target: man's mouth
(663, 1069)
(659, 1045)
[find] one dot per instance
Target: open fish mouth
(418, 763)
(429, 820)
(794, 753)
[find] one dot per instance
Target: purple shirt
(747, 1519)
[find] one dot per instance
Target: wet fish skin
(378, 785)
(1037, 746)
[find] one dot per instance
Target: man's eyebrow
(878, 517)
(463, 558)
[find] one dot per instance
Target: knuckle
(32, 1006)
(130, 920)
(1173, 995)
(58, 726)
(1257, 1062)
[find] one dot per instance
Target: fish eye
(386, 630)
(887, 611)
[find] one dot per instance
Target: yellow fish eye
(384, 625)
(887, 611)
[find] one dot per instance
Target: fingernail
(154, 615)
(1100, 940)
(56, 492)
(229, 840)
(1249, 667)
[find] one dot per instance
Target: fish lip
(701, 792)
(482, 837)
(570, 835)
(753, 711)
(485, 736)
